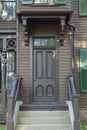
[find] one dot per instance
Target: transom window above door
(44, 42)
(43, 1)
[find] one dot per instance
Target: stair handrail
(73, 97)
(12, 98)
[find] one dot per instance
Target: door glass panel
(44, 42)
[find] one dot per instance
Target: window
(43, 1)
(44, 42)
(8, 9)
(11, 69)
(83, 69)
(10, 45)
(83, 7)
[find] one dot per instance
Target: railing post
(10, 113)
(76, 122)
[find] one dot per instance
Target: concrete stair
(43, 120)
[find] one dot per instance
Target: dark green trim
(83, 69)
(27, 1)
(83, 7)
(60, 1)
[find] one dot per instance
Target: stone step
(44, 120)
(43, 127)
(44, 106)
(43, 114)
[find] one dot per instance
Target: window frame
(44, 46)
(82, 68)
(8, 72)
(80, 13)
(13, 65)
(3, 8)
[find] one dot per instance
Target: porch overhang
(44, 13)
(62, 17)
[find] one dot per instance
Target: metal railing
(73, 97)
(12, 98)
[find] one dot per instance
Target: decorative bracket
(62, 23)
(62, 31)
(24, 22)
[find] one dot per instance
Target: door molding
(31, 66)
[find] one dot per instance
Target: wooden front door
(44, 70)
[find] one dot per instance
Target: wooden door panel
(39, 91)
(50, 91)
(44, 75)
(49, 64)
(39, 65)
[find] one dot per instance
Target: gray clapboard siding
(64, 70)
(24, 66)
(63, 55)
(8, 25)
(80, 42)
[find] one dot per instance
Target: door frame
(31, 65)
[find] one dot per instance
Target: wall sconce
(61, 40)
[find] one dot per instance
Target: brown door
(44, 75)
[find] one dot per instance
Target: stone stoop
(43, 120)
